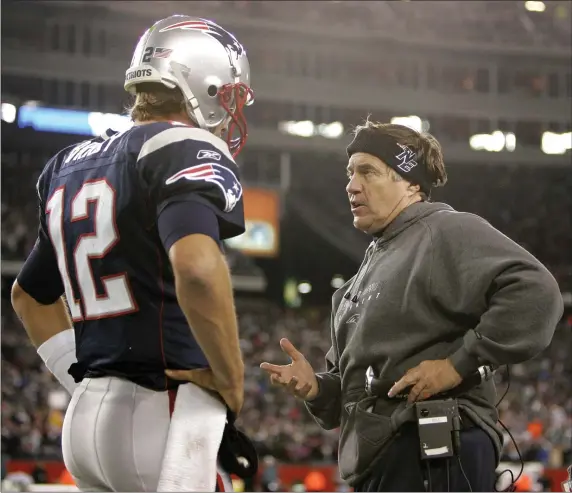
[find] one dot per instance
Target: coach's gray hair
(424, 144)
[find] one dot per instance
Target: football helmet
(206, 63)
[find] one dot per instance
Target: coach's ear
(413, 189)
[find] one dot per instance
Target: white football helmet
(205, 62)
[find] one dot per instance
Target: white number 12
(117, 299)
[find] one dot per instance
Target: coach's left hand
(428, 378)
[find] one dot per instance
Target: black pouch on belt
(438, 423)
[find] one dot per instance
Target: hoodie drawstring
(361, 272)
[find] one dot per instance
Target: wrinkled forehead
(362, 160)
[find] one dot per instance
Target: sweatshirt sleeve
(327, 405)
(478, 272)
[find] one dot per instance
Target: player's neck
(181, 119)
(174, 118)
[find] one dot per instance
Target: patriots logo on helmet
(162, 53)
(229, 42)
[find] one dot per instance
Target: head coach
(441, 297)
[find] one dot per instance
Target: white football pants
(119, 436)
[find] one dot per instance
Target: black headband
(398, 157)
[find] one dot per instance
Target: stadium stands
(537, 409)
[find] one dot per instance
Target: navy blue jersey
(99, 203)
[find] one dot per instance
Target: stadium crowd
(537, 408)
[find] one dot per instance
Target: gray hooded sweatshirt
(436, 284)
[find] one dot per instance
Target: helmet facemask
(233, 98)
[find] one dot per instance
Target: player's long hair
(156, 102)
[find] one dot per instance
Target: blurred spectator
(39, 474)
(269, 477)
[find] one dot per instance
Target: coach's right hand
(205, 378)
(298, 377)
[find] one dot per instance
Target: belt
(380, 388)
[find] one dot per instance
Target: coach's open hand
(298, 377)
(427, 378)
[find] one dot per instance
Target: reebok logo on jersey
(214, 173)
(207, 154)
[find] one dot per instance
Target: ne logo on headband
(406, 158)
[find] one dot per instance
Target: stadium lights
(307, 128)
(495, 142)
(59, 120)
(100, 122)
(413, 122)
(510, 142)
(337, 282)
(304, 287)
(299, 129)
(8, 113)
(534, 6)
(553, 143)
(331, 131)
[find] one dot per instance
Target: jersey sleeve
(40, 276)
(183, 163)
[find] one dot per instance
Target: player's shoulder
(54, 164)
(79, 151)
(179, 159)
(65, 161)
(161, 139)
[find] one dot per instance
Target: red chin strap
(238, 95)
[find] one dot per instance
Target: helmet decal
(227, 40)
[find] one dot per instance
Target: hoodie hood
(408, 216)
